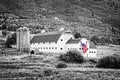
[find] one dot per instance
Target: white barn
(61, 42)
(50, 42)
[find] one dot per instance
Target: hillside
(90, 17)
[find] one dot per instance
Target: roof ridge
(45, 38)
(49, 33)
(70, 41)
(45, 34)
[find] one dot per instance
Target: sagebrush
(61, 65)
(109, 62)
(72, 57)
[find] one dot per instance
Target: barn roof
(92, 45)
(48, 36)
(87, 37)
(72, 41)
(42, 38)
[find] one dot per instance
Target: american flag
(84, 47)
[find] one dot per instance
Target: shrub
(77, 35)
(48, 72)
(11, 40)
(72, 57)
(61, 65)
(8, 66)
(109, 62)
(39, 53)
(93, 61)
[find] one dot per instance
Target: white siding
(76, 47)
(92, 53)
(62, 41)
(53, 47)
(45, 47)
(62, 47)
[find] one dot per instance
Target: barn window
(32, 52)
(61, 48)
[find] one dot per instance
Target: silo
(23, 39)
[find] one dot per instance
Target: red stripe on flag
(85, 49)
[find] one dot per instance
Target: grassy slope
(24, 67)
(92, 17)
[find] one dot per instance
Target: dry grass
(42, 67)
(106, 50)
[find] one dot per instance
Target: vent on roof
(42, 31)
(61, 29)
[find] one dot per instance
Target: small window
(41, 47)
(55, 47)
(46, 47)
(68, 48)
(52, 47)
(89, 51)
(61, 39)
(79, 48)
(61, 48)
(49, 47)
(32, 52)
